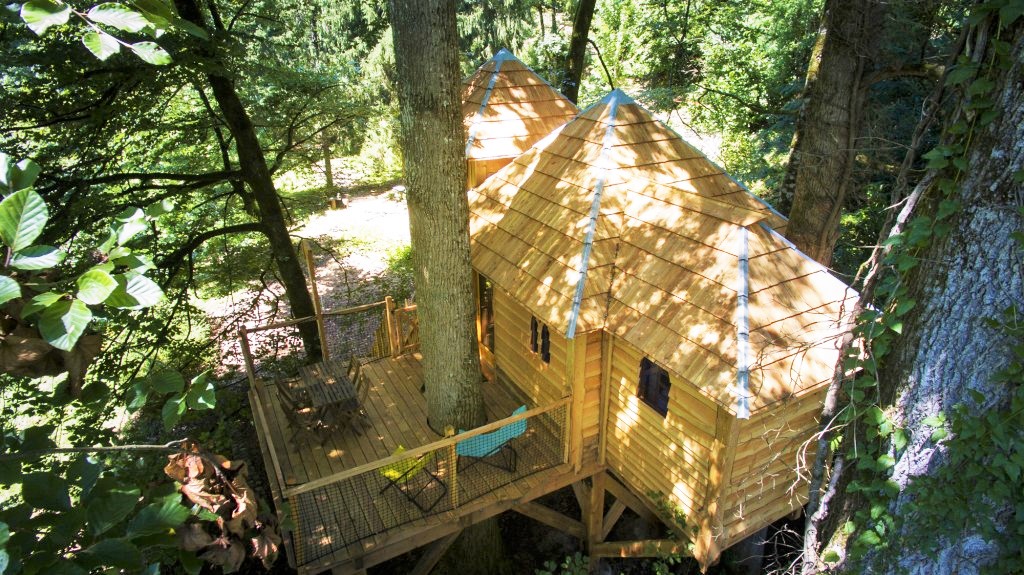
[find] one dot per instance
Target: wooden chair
(402, 475)
(306, 422)
(493, 448)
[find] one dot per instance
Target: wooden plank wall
(769, 444)
(541, 383)
(667, 455)
(480, 170)
(592, 396)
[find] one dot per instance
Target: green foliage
(576, 564)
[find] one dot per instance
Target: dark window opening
(540, 340)
(654, 386)
(486, 291)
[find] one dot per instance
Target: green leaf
(151, 53)
(904, 306)
(899, 438)
(40, 303)
(160, 208)
(980, 86)
(961, 74)
(190, 28)
(172, 411)
(167, 381)
(188, 560)
(830, 556)
(139, 263)
(937, 420)
(158, 517)
(134, 291)
(95, 286)
(111, 508)
(874, 415)
(37, 258)
(869, 539)
(885, 461)
(155, 7)
(41, 14)
(939, 434)
(5, 534)
(46, 491)
(18, 176)
(101, 44)
(86, 471)
(23, 215)
(201, 393)
(119, 16)
(9, 289)
(128, 230)
(115, 553)
(139, 395)
(64, 322)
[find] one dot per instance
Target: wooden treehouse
(647, 336)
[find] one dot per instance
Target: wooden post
(243, 339)
(706, 548)
(389, 319)
(453, 462)
(318, 310)
(575, 367)
(608, 348)
(595, 516)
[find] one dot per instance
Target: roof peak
(616, 97)
(503, 54)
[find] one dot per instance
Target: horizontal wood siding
(541, 383)
(667, 455)
(764, 483)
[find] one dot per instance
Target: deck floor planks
(396, 411)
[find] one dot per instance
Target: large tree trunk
(948, 349)
(823, 151)
(577, 49)
(433, 144)
(256, 174)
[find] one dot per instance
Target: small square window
(654, 386)
(540, 340)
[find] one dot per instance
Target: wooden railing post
(318, 309)
(453, 459)
(243, 339)
(389, 318)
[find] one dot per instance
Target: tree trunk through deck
(823, 150)
(433, 143)
(255, 172)
(577, 49)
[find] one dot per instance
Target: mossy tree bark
(824, 145)
(948, 348)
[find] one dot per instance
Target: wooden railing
(398, 333)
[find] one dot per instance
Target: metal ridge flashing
(743, 330)
(500, 57)
(613, 99)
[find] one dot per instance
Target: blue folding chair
(493, 448)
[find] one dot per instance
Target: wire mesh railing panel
(362, 333)
(346, 514)
(515, 451)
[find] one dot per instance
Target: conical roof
(614, 222)
(507, 107)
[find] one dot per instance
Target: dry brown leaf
(228, 553)
(192, 537)
(265, 547)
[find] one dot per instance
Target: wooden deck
(340, 504)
